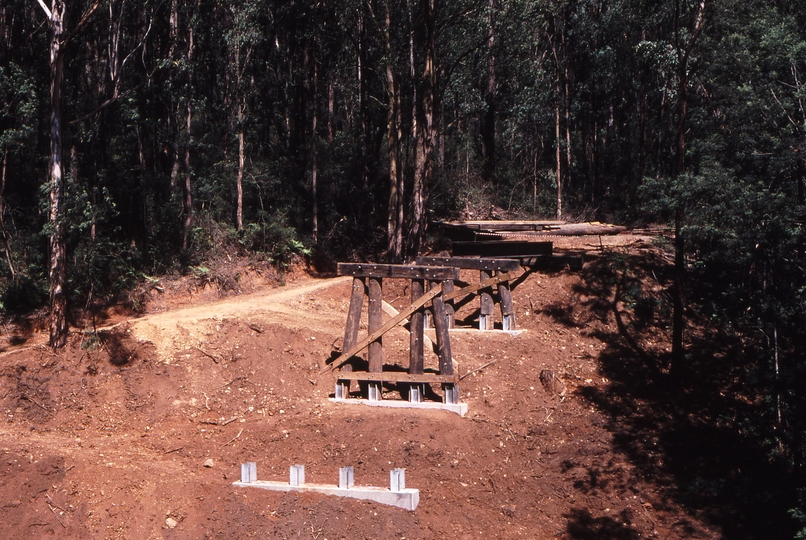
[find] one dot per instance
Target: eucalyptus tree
(242, 36)
(58, 39)
(397, 191)
(688, 23)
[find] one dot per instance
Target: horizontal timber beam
(397, 376)
(505, 225)
(554, 262)
(433, 273)
(472, 263)
(501, 248)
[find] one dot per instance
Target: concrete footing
(397, 494)
(513, 333)
(458, 408)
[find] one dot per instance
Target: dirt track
(109, 439)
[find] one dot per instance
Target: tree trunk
(678, 302)
(488, 120)
(684, 51)
(3, 231)
(801, 166)
(567, 110)
(331, 106)
(424, 144)
(394, 222)
(143, 198)
(678, 320)
(314, 171)
(362, 105)
(58, 255)
(187, 186)
(412, 72)
(558, 155)
(241, 165)
(642, 108)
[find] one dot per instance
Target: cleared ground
(109, 438)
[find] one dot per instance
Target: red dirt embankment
(139, 430)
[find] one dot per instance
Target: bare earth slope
(109, 439)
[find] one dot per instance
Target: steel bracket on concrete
(397, 494)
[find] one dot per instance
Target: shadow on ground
(689, 438)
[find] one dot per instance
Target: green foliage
(91, 341)
(799, 513)
(18, 106)
(22, 295)
(744, 277)
(274, 239)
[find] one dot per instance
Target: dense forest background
(143, 138)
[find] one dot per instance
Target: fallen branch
(55, 514)
(215, 359)
(231, 420)
(53, 503)
(174, 450)
(32, 400)
(43, 348)
(476, 370)
(232, 439)
(236, 379)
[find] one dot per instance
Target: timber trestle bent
(496, 274)
(368, 281)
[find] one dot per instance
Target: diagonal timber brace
(399, 318)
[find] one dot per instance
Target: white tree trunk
(56, 271)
